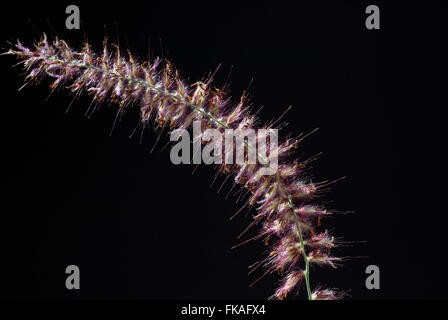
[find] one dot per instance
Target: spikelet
(286, 218)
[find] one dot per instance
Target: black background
(140, 227)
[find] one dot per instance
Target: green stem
(305, 257)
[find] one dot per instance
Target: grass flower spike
(288, 221)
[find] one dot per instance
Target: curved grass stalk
(283, 197)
